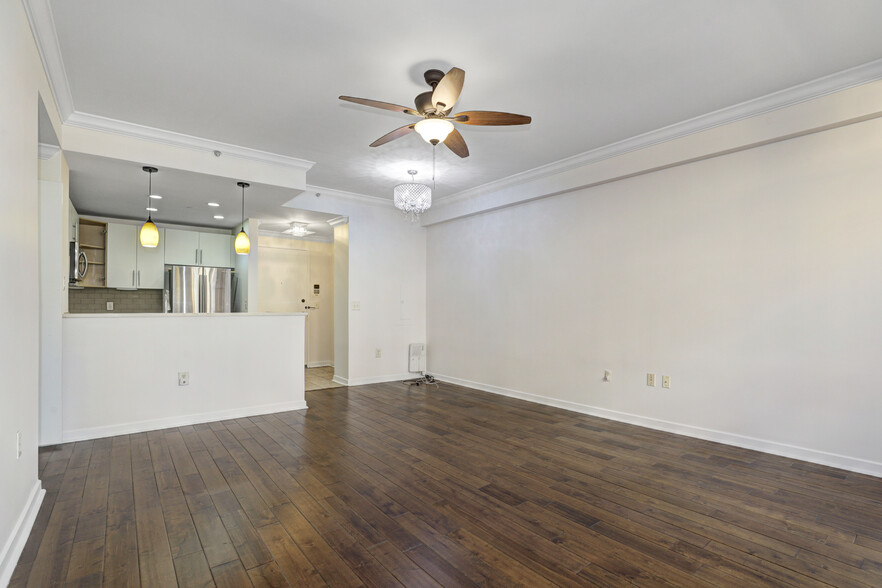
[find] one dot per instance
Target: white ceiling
(267, 74)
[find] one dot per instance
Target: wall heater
(417, 363)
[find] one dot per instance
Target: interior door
(283, 282)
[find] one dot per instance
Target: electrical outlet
(110, 306)
(650, 379)
(379, 353)
(607, 376)
(356, 306)
(666, 381)
(183, 378)
(17, 444)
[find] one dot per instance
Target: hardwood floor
(385, 485)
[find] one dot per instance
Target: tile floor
(320, 378)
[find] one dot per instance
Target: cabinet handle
(139, 278)
(197, 257)
(133, 277)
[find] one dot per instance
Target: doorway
(297, 275)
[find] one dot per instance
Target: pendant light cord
(149, 192)
(433, 167)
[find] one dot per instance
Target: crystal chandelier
(413, 199)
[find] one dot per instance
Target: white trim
(375, 200)
(844, 462)
(47, 150)
(849, 78)
(339, 220)
(39, 14)
(118, 127)
(278, 235)
(340, 380)
(377, 379)
(317, 364)
(16, 542)
(178, 421)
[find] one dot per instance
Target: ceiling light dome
(434, 130)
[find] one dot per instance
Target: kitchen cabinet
(128, 264)
(197, 248)
(92, 235)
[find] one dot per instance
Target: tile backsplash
(94, 300)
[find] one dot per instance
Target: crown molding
(45, 150)
(118, 127)
(363, 198)
(42, 23)
(340, 220)
(849, 78)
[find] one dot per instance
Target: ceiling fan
(434, 108)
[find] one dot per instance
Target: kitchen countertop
(177, 315)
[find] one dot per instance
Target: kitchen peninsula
(125, 373)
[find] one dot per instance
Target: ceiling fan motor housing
(423, 103)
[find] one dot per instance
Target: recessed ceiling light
(219, 216)
(156, 196)
(213, 204)
(151, 209)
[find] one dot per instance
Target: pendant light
(412, 199)
(149, 235)
(243, 243)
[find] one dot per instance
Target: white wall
(341, 303)
(53, 294)
(21, 82)
(752, 279)
(387, 277)
(120, 371)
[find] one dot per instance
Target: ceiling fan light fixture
(434, 130)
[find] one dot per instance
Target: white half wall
(121, 371)
(752, 279)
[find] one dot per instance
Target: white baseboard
(844, 462)
(379, 379)
(178, 421)
(15, 543)
(340, 380)
(315, 364)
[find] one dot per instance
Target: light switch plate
(110, 306)
(666, 381)
(650, 379)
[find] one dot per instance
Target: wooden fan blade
(490, 118)
(383, 105)
(396, 134)
(447, 91)
(456, 143)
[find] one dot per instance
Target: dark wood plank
(192, 570)
(391, 485)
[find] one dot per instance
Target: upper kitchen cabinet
(129, 265)
(215, 250)
(197, 248)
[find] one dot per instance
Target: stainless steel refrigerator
(195, 289)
